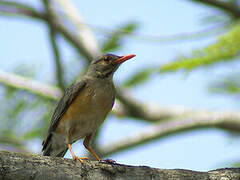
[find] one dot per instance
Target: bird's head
(106, 65)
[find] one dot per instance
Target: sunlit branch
(226, 121)
(83, 32)
(34, 87)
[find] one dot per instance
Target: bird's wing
(67, 98)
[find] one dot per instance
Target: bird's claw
(111, 161)
(80, 158)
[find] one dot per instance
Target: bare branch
(10, 7)
(83, 32)
(229, 7)
(52, 36)
(30, 85)
(226, 121)
(130, 107)
(59, 72)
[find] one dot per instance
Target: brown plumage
(83, 107)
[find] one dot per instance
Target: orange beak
(124, 58)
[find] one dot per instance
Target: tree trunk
(19, 166)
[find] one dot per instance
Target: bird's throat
(104, 75)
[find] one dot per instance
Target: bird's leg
(70, 148)
(86, 144)
(73, 155)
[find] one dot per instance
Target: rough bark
(31, 166)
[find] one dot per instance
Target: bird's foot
(110, 161)
(80, 158)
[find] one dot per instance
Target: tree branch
(130, 107)
(83, 33)
(52, 36)
(10, 7)
(229, 7)
(30, 85)
(229, 122)
(28, 166)
(59, 72)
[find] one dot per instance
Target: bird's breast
(87, 111)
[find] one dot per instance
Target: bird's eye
(106, 58)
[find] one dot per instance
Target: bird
(83, 108)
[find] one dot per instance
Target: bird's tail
(48, 150)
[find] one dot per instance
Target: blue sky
(23, 41)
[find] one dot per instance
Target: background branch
(30, 85)
(11, 7)
(229, 122)
(83, 32)
(59, 73)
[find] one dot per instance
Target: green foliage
(139, 77)
(114, 41)
(225, 49)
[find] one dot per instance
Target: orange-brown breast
(81, 106)
(89, 109)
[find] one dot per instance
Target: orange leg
(86, 144)
(70, 149)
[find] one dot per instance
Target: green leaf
(114, 41)
(225, 49)
(139, 77)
